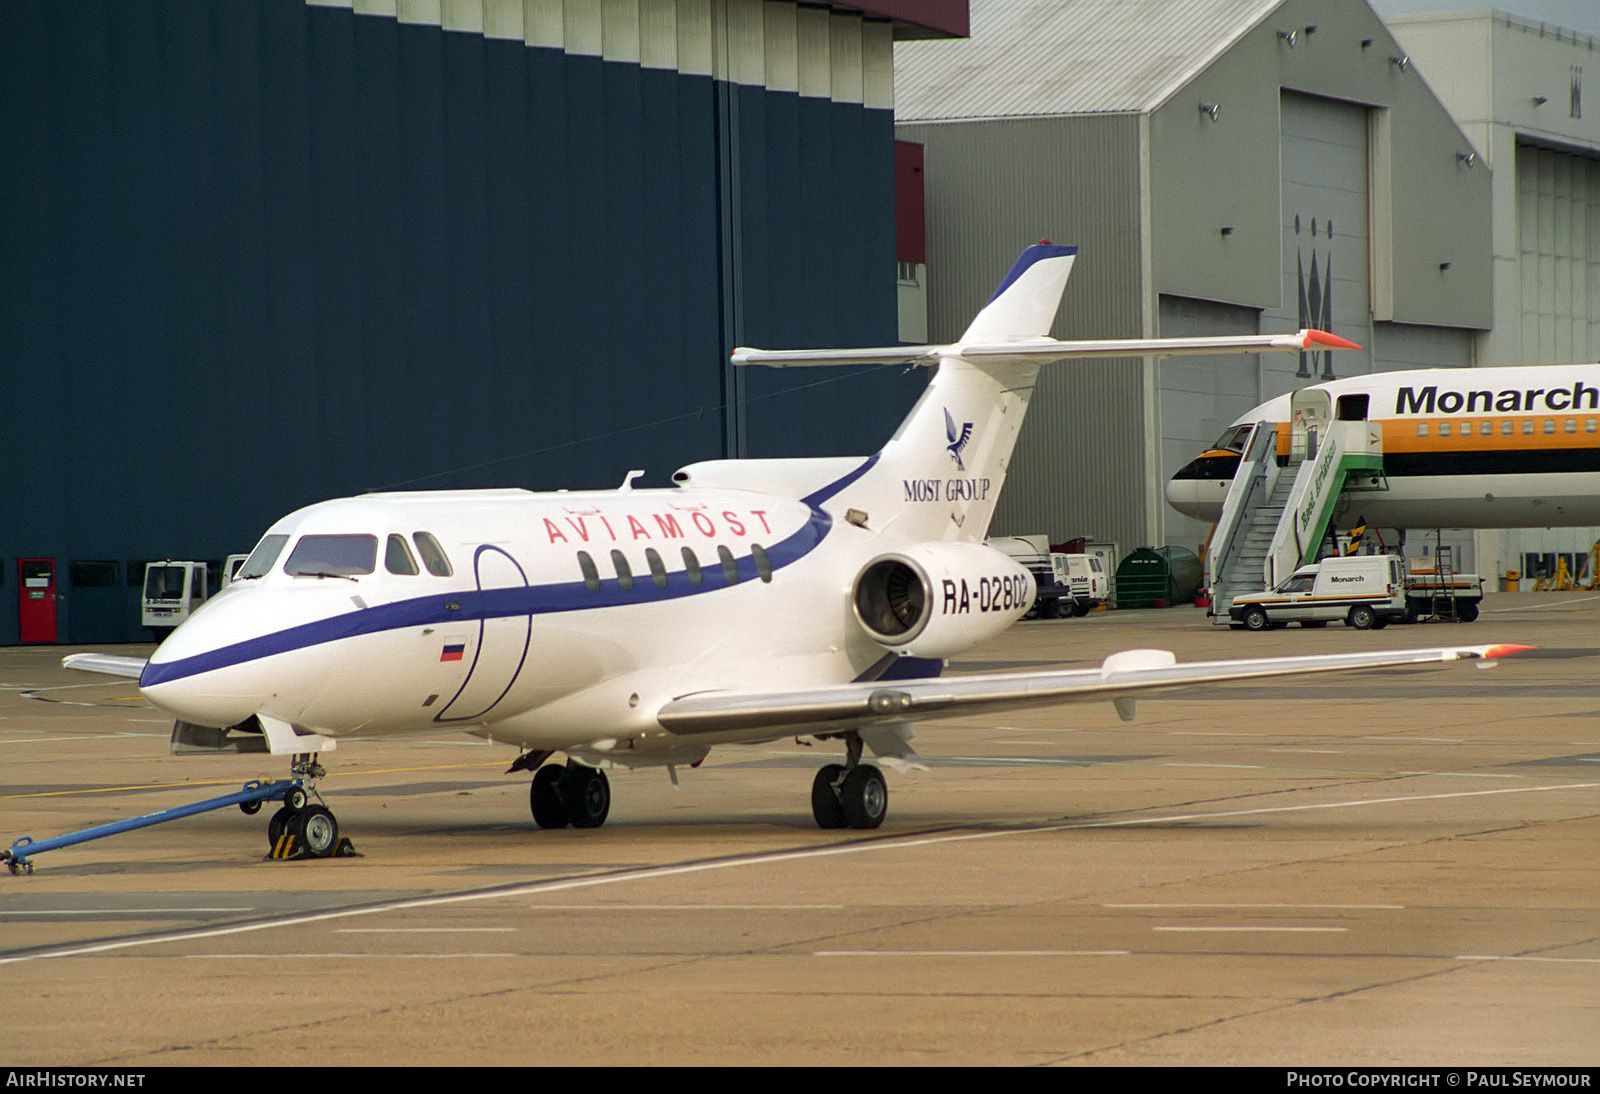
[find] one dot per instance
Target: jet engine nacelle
(937, 599)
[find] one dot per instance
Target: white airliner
(1462, 448)
(755, 600)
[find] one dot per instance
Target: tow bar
(281, 831)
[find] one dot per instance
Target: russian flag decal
(453, 651)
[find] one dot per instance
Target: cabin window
(1466, 429)
(1571, 425)
(691, 566)
(1486, 429)
(763, 564)
(259, 564)
(1590, 426)
(1422, 429)
(730, 568)
(397, 557)
(1527, 426)
(624, 571)
(333, 556)
(1507, 427)
(1444, 429)
(1549, 425)
(658, 572)
(591, 576)
(433, 556)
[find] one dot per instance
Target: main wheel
(586, 792)
(1254, 619)
(316, 830)
(824, 801)
(864, 797)
(1361, 617)
(544, 797)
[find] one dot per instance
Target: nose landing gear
(300, 829)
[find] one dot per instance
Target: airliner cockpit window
(332, 556)
(397, 557)
(1234, 438)
(259, 564)
(433, 556)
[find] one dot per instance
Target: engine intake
(937, 599)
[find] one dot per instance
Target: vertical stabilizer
(940, 475)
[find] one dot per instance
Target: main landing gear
(300, 829)
(564, 794)
(851, 794)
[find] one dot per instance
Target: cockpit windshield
(259, 564)
(332, 556)
(1234, 438)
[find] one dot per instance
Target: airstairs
(1277, 514)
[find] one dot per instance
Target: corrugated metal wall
(992, 189)
(1558, 203)
(259, 254)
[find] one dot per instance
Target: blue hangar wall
(254, 255)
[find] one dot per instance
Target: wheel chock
(288, 848)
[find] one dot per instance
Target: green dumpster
(1158, 577)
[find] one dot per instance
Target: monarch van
(1365, 591)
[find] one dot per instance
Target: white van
(1083, 581)
(1363, 590)
(172, 591)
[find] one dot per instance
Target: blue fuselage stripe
(464, 606)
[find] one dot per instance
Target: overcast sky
(1581, 15)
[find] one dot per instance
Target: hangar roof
(1027, 58)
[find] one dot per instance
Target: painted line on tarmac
(1254, 930)
(1523, 957)
(653, 873)
(970, 953)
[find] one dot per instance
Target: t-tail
(940, 475)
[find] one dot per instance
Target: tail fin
(941, 473)
(1024, 306)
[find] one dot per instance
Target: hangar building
(260, 254)
(1516, 87)
(1226, 166)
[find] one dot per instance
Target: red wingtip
(1323, 338)
(1505, 650)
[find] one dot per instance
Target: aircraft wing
(1047, 349)
(1121, 678)
(108, 663)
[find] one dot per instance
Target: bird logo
(958, 441)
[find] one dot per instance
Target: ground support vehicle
(1365, 591)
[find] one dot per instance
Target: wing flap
(1121, 678)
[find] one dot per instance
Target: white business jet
(755, 600)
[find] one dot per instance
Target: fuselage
(1476, 448)
(541, 619)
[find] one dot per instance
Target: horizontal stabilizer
(1043, 350)
(107, 663)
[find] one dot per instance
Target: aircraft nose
(1201, 485)
(202, 673)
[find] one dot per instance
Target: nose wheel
(300, 829)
